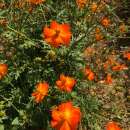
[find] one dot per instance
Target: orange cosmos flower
(3, 70)
(41, 91)
(127, 55)
(65, 117)
(3, 22)
(105, 22)
(122, 28)
(81, 3)
(98, 36)
(119, 67)
(108, 79)
(36, 2)
(97, 7)
(89, 73)
(112, 126)
(57, 34)
(66, 83)
(94, 7)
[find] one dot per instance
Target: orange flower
(119, 67)
(81, 3)
(127, 55)
(41, 91)
(3, 70)
(19, 4)
(122, 28)
(97, 30)
(97, 7)
(108, 79)
(3, 22)
(66, 83)
(57, 34)
(98, 36)
(89, 73)
(65, 117)
(110, 61)
(94, 7)
(36, 2)
(112, 126)
(105, 22)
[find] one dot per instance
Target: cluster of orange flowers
(64, 83)
(111, 64)
(65, 116)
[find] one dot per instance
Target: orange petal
(65, 126)
(62, 77)
(56, 115)
(49, 32)
(59, 83)
(66, 38)
(58, 40)
(65, 27)
(112, 126)
(54, 25)
(91, 76)
(39, 98)
(54, 123)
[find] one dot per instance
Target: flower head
(112, 126)
(119, 67)
(81, 3)
(94, 7)
(122, 28)
(41, 91)
(65, 83)
(65, 117)
(57, 34)
(97, 7)
(3, 70)
(89, 73)
(98, 34)
(105, 22)
(108, 79)
(36, 2)
(127, 55)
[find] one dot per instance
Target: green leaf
(1, 127)
(15, 121)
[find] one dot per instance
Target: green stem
(21, 34)
(10, 103)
